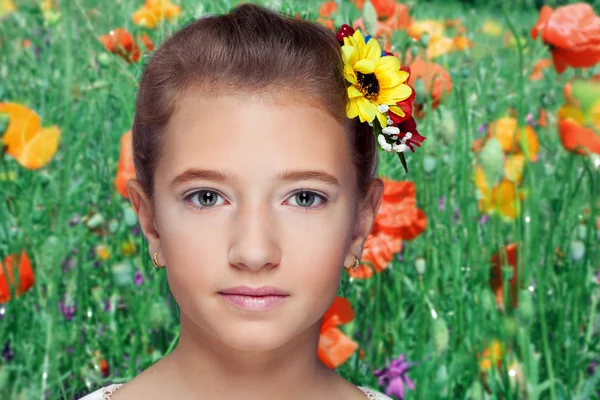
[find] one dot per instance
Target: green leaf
(370, 18)
(491, 159)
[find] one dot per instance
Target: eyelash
(188, 197)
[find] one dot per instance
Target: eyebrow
(222, 176)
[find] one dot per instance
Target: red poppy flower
(579, 117)
(125, 166)
(120, 42)
(573, 34)
(334, 346)
(26, 275)
(508, 256)
(398, 219)
(539, 66)
(436, 80)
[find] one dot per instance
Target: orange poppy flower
(398, 19)
(327, 8)
(453, 23)
(436, 80)
(325, 12)
(334, 346)
(507, 256)
(543, 118)
(125, 166)
(573, 34)
(398, 219)
(154, 11)
(31, 145)
(505, 131)
(501, 198)
(26, 276)
(539, 66)
(462, 43)
(579, 117)
(120, 42)
(384, 8)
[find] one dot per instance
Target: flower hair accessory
(378, 90)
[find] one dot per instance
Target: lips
(255, 291)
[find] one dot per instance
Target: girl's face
(224, 218)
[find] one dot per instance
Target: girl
(253, 188)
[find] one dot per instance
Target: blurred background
(485, 286)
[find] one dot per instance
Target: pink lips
(253, 302)
(261, 298)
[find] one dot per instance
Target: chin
(262, 336)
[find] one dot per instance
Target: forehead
(253, 137)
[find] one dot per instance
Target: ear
(145, 213)
(367, 211)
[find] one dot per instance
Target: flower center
(368, 85)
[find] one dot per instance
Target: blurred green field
(97, 297)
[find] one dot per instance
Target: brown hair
(251, 50)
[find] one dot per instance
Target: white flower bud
(390, 130)
(383, 108)
(383, 143)
(400, 148)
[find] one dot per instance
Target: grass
(440, 317)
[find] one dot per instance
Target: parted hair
(253, 50)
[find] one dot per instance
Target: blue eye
(208, 198)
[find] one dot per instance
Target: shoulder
(103, 393)
(373, 394)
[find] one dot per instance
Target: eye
(306, 197)
(206, 198)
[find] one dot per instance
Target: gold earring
(355, 264)
(155, 262)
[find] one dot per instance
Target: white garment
(105, 393)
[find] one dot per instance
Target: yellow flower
(491, 28)
(434, 29)
(375, 80)
(30, 144)
(102, 252)
(153, 11)
(492, 354)
(6, 7)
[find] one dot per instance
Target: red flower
(573, 34)
(334, 346)
(120, 42)
(26, 275)
(507, 256)
(397, 220)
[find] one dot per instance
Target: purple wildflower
(482, 128)
(592, 367)
(67, 311)
(107, 305)
(484, 218)
(74, 220)
(442, 203)
(7, 352)
(394, 377)
(138, 278)
(530, 120)
(135, 231)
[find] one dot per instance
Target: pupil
(305, 195)
(368, 84)
(207, 195)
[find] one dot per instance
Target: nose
(254, 245)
